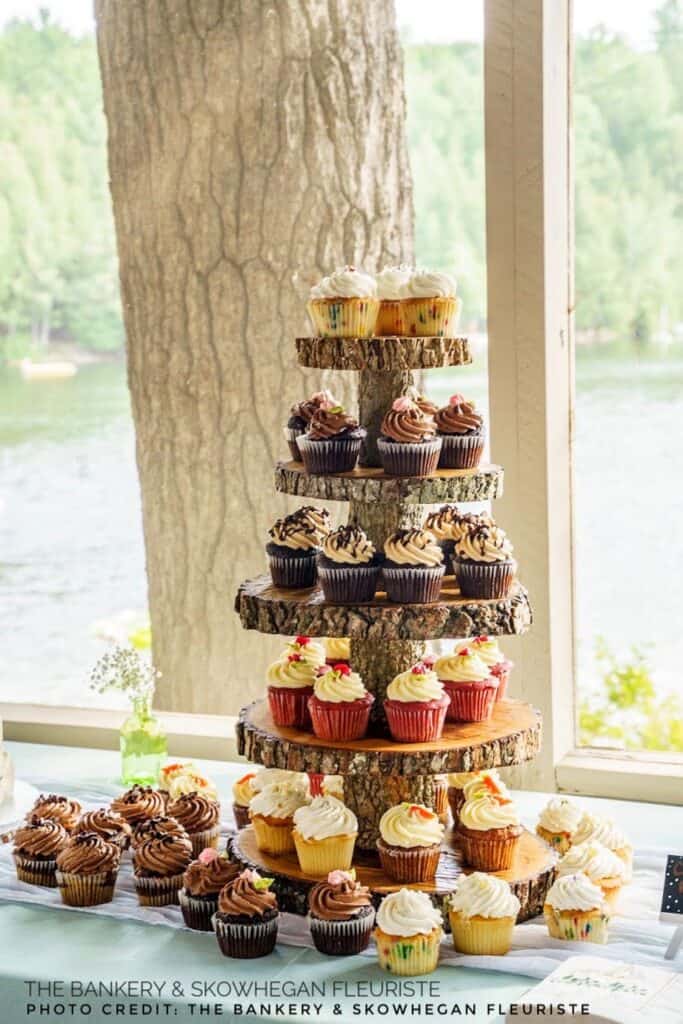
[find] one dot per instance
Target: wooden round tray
(392, 353)
(511, 736)
(370, 485)
(530, 877)
(289, 612)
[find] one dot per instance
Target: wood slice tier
(530, 877)
(262, 606)
(511, 736)
(382, 354)
(370, 485)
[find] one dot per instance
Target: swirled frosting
(153, 828)
(333, 785)
(482, 895)
(408, 825)
(57, 808)
(172, 771)
(329, 423)
(594, 859)
(139, 802)
(280, 800)
(413, 547)
(486, 783)
(88, 854)
(339, 684)
(310, 650)
(270, 776)
(307, 409)
(429, 284)
(207, 875)
(486, 812)
(417, 683)
(162, 856)
(560, 815)
(349, 545)
(485, 544)
(302, 530)
(345, 283)
(192, 782)
(421, 401)
(391, 280)
(601, 830)
(458, 780)
(575, 892)
(465, 522)
(458, 417)
(195, 812)
(339, 898)
(325, 817)
(291, 672)
(105, 823)
(337, 648)
(462, 666)
(243, 790)
(40, 837)
(408, 912)
(440, 522)
(486, 648)
(248, 895)
(406, 423)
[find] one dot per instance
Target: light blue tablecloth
(48, 946)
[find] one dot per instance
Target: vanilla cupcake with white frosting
(575, 910)
(340, 705)
(605, 831)
(558, 822)
(344, 304)
(325, 833)
(290, 682)
(409, 843)
(390, 284)
(488, 831)
(482, 912)
(308, 649)
(415, 705)
(601, 865)
(408, 933)
(272, 815)
(429, 304)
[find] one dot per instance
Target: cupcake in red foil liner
(106, 823)
(86, 870)
(341, 916)
(408, 444)
(37, 842)
(413, 567)
(300, 417)
(483, 563)
(159, 864)
(202, 882)
(200, 816)
(62, 809)
(409, 844)
(490, 653)
(469, 684)
(294, 545)
(349, 566)
(340, 705)
(332, 442)
(290, 684)
(242, 792)
(246, 921)
(461, 429)
(488, 829)
(415, 705)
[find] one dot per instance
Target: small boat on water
(46, 369)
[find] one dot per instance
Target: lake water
(71, 552)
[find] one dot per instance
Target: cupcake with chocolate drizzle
(348, 566)
(36, 845)
(57, 808)
(341, 915)
(294, 545)
(332, 442)
(300, 417)
(159, 864)
(413, 567)
(461, 429)
(408, 444)
(441, 523)
(86, 870)
(200, 817)
(247, 917)
(139, 803)
(202, 882)
(108, 824)
(483, 563)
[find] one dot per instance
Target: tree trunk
(253, 146)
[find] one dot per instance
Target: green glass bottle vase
(143, 745)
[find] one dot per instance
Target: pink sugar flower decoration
(402, 404)
(337, 877)
(456, 399)
(207, 855)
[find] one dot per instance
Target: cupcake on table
(200, 817)
(332, 441)
(37, 843)
(603, 830)
(413, 567)
(488, 831)
(341, 915)
(202, 882)
(408, 444)
(408, 933)
(416, 705)
(300, 417)
(324, 834)
(484, 566)
(349, 566)
(272, 815)
(461, 429)
(106, 823)
(344, 304)
(295, 542)
(601, 865)
(487, 648)
(139, 803)
(390, 284)
(242, 793)
(558, 823)
(172, 771)
(482, 913)
(86, 871)
(159, 864)
(575, 910)
(429, 304)
(155, 828)
(52, 807)
(337, 649)
(469, 684)
(189, 780)
(247, 917)
(290, 685)
(409, 844)
(340, 705)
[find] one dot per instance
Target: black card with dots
(672, 897)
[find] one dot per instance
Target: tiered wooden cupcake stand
(387, 639)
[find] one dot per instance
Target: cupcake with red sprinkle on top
(340, 705)
(469, 684)
(416, 705)
(290, 684)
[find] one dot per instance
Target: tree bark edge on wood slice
(382, 354)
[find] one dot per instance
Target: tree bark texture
(253, 146)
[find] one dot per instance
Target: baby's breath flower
(126, 670)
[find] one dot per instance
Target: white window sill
(653, 777)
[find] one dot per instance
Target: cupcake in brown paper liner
(413, 568)
(62, 809)
(408, 444)
(409, 844)
(461, 429)
(300, 417)
(159, 864)
(484, 566)
(37, 843)
(332, 442)
(247, 917)
(86, 870)
(108, 824)
(202, 882)
(341, 916)
(349, 566)
(488, 831)
(200, 817)
(295, 541)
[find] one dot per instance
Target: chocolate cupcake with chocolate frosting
(200, 817)
(341, 915)
(461, 429)
(295, 542)
(57, 808)
(349, 566)
(332, 442)
(408, 444)
(108, 824)
(202, 882)
(413, 567)
(159, 864)
(36, 846)
(301, 415)
(154, 828)
(247, 917)
(86, 870)
(138, 803)
(428, 407)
